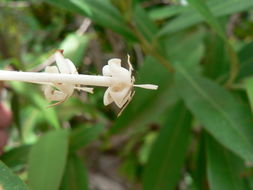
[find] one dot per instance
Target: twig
(84, 26)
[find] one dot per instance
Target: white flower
(62, 91)
(121, 89)
(60, 81)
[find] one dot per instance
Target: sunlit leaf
(74, 47)
(8, 181)
(47, 160)
(38, 101)
(217, 7)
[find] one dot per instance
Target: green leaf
(38, 101)
(217, 7)
(165, 12)
(16, 158)
(198, 170)
(65, 4)
(223, 167)
(223, 116)
(47, 160)
(83, 135)
(168, 152)
(179, 49)
(8, 181)
(15, 107)
(144, 24)
(246, 58)
(75, 177)
(216, 61)
(203, 9)
(249, 183)
(100, 11)
(248, 84)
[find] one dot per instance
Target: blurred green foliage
(194, 133)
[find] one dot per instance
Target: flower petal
(120, 97)
(67, 89)
(115, 61)
(71, 67)
(62, 63)
(120, 74)
(51, 69)
(107, 97)
(106, 71)
(54, 95)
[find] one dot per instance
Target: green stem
(234, 64)
(151, 49)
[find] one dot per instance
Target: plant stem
(33, 77)
(149, 48)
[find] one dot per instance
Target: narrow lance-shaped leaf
(100, 11)
(190, 17)
(199, 164)
(223, 116)
(47, 161)
(15, 106)
(168, 152)
(83, 135)
(8, 181)
(223, 167)
(248, 84)
(166, 11)
(144, 24)
(16, 158)
(246, 59)
(203, 9)
(38, 101)
(105, 14)
(75, 177)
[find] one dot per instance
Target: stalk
(33, 77)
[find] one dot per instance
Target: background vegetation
(194, 133)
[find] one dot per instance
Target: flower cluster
(61, 80)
